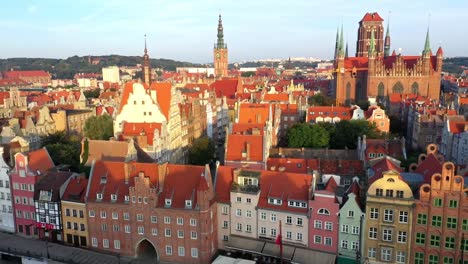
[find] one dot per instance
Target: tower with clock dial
(220, 53)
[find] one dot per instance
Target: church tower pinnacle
(220, 52)
(146, 66)
(387, 41)
(427, 45)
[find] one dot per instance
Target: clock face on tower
(217, 55)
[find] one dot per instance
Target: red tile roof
(76, 189)
(372, 17)
(224, 178)
(39, 160)
(3, 96)
(331, 185)
(180, 181)
(385, 164)
(138, 129)
(225, 87)
(284, 186)
(19, 74)
(429, 166)
(247, 129)
(127, 90)
(254, 113)
(279, 97)
(237, 144)
(343, 113)
(12, 82)
(289, 165)
(164, 95)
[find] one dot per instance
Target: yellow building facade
(389, 218)
(74, 216)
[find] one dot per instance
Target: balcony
(251, 189)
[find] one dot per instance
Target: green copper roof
(427, 45)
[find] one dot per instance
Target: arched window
(415, 88)
(381, 90)
(323, 211)
(398, 88)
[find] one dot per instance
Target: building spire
(341, 46)
(372, 44)
(427, 44)
(220, 42)
(387, 39)
(337, 40)
(346, 51)
(146, 50)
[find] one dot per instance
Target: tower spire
(346, 51)
(337, 40)
(146, 50)
(427, 44)
(220, 42)
(387, 39)
(341, 46)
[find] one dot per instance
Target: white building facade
(7, 221)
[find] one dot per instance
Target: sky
(253, 29)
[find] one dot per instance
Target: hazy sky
(254, 29)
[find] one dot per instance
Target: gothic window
(380, 90)
(415, 88)
(398, 88)
(348, 93)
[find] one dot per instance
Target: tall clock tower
(146, 67)
(220, 53)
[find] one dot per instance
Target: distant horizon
(186, 30)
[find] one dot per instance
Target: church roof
(374, 16)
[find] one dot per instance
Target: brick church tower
(371, 22)
(220, 53)
(146, 67)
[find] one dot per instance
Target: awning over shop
(245, 244)
(302, 255)
(346, 260)
(294, 254)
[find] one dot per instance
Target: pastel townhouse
(7, 220)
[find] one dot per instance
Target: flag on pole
(279, 240)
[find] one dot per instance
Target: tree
(347, 133)
(307, 136)
(363, 104)
(248, 74)
(63, 149)
(92, 93)
(202, 151)
(320, 100)
(99, 127)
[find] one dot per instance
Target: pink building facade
(323, 222)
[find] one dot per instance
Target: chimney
(247, 147)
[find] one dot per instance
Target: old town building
(7, 221)
(378, 75)
(47, 195)
(37, 78)
(74, 216)
(29, 168)
(389, 219)
(220, 53)
(147, 210)
(440, 223)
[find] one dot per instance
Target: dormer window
(168, 202)
(244, 154)
(188, 203)
(114, 197)
(99, 196)
(275, 201)
(103, 180)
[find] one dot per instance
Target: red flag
(279, 240)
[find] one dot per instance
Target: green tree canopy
(320, 100)
(307, 136)
(92, 93)
(347, 133)
(202, 151)
(63, 149)
(99, 127)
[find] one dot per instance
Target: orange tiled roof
(372, 17)
(276, 97)
(19, 74)
(237, 144)
(238, 128)
(164, 95)
(289, 164)
(224, 178)
(137, 129)
(225, 87)
(254, 113)
(39, 160)
(76, 189)
(285, 186)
